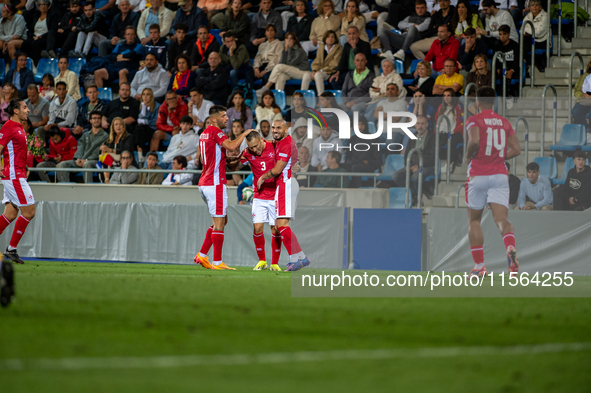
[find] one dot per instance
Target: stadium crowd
(169, 62)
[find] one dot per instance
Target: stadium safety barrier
(460, 188)
(500, 55)
(437, 144)
(549, 27)
(533, 50)
(559, 26)
(416, 150)
(554, 116)
(570, 87)
(526, 124)
(466, 92)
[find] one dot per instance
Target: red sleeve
(219, 137)
(52, 151)
(459, 121)
(161, 121)
(429, 56)
(71, 146)
(283, 152)
(5, 137)
(455, 49)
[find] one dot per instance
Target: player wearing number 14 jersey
(491, 141)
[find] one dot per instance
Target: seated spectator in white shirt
(392, 103)
(535, 192)
(124, 177)
(198, 108)
(329, 141)
(185, 143)
(176, 179)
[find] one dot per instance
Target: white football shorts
(263, 211)
(18, 192)
(481, 190)
(216, 199)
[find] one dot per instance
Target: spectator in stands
(535, 192)
(423, 82)
(327, 137)
(391, 103)
(91, 31)
(156, 45)
(511, 50)
(20, 76)
(426, 143)
(146, 122)
(168, 123)
(178, 179)
(9, 93)
(62, 147)
(265, 16)
(39, 24)
(46, 90)
(124, 177)
(472, 47)
(62, 110)
(70, 77)
(125, 107)
(198, 108)
(184, 79)
(267, 109)
(212, 7)
(185, 143)
(583, 95)
(539, 18)
(333, 158)
(119, 140)
(38, 107)
(357, 85)
(512, 6)
(397, 12)
(181, 45)
(124, 60)
(481, 75)
(268, 55)
(449, 79)
(495, 19)
(152, 76)
(156, 14)
(575, 194)
(444, 47)
(61, 38)
(265, 130)
(236, 59)
(214, 80)
(292, 65)
(237, 109)
(444, 16)
(465, 19)
(94, 104)
(192, 16)
(236, 21)
(421, 107)
(88, 150)
(413, 28)
(380, 83)
(305, 167)
(205, 44)
(298, 109)
(353, 17)
(119, 26)
(325, 63)
(13, 30)
(363, 160)
(326, 20)
(451, 108)
(148, 178)
(353, 46)
(300, 134)
(300, 22)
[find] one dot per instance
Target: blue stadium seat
(371, 127)
(413, 65)
(29, 64)
(160, 155)
(76, 65)
(2, 70)
(568, 165)
(432, 177)
(337, 96)
(397, 196)
(572, 137)
(216, 34)
(394, 162)
(105, 93)
(46, 66)
(548, 167)
(309, 96)
(280, 98)
(253, 103)
(399, 66)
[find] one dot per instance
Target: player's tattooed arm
(275, 171)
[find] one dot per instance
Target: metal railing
(437, 147)
(533, 53)
(460, 188)
(416, 150)
(548, 41)
(570, 86)
(526, 124)
(559, 27)
(500, 55)
(576, 17)
(466, 92)
(554, 115)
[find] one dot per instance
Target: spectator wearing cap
(495, 18)
(444, 16)
(446, 46)
(151, 163)
(535, 191)
(181, 45)
(515, 7)
(118, 27)
(265, 16)
(205, 44)
(192, 16)
(156, 14)
(236, 59)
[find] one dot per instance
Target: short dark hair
(185, 57)
(327, 94)
(505, 29)
(99, 113)
(61, 83)
(125, 83)
(181, 26)
(12, 106)
(93, 86)
(91, 3)
(187, 119)
(130, 28)
(32, 86)
(55, 130)
(154, 26)
(271, 26)
(336, 155)
(197, 90)
(252, 135)
(152, 54)
(578, 154)
(486, 95)
(20, 54)
(214, 110)
(444, 25)
(470, 31)
(182, 160)
(420, 2)
(63, 57)
(152, 154)
(532, 166)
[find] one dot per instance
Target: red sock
(509, 240)
(4, 222)
(207, 241)
(19, 230)
(477, 254)
(217, 238)
(259, 244)
(289, 239)
(276, 246)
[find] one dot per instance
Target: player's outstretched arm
(277, 169)
(473, 144)
(235, 144)
(513, 147)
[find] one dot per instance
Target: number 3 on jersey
(264, 166)
(495, 137)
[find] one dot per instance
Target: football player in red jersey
(260, 154)
(491, 141)
(17, 193)
(286, 195)
(213, 144)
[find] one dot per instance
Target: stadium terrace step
(583, 32)
(577, 43)
(529, 92)
(563, 61)
(537, 112)
(448, 201)
(582, 51)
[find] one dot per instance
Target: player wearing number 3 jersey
(491, 141)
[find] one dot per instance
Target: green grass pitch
(99, 310)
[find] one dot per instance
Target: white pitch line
(120, 363)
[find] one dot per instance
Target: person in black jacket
(156, 45)
(423, 82)
(61, 37)
(469, 49)
(118, 25)
(21, 76)
(214, 80)
(354, 45)
(301, 27)
(575, 194)
(126, 107)
(180, 46)
(92, 104)
(444, 16)
(205, 44)
(40, 22)
(362, 160)
(91, 31)
(511, 50)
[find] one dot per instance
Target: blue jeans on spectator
(244, 72)
(338, 84)
(165, 165)
(580, 113)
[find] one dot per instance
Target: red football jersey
(261, 165)
(495, 130)
(213, 157)
(14, 139)
(286, 150)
